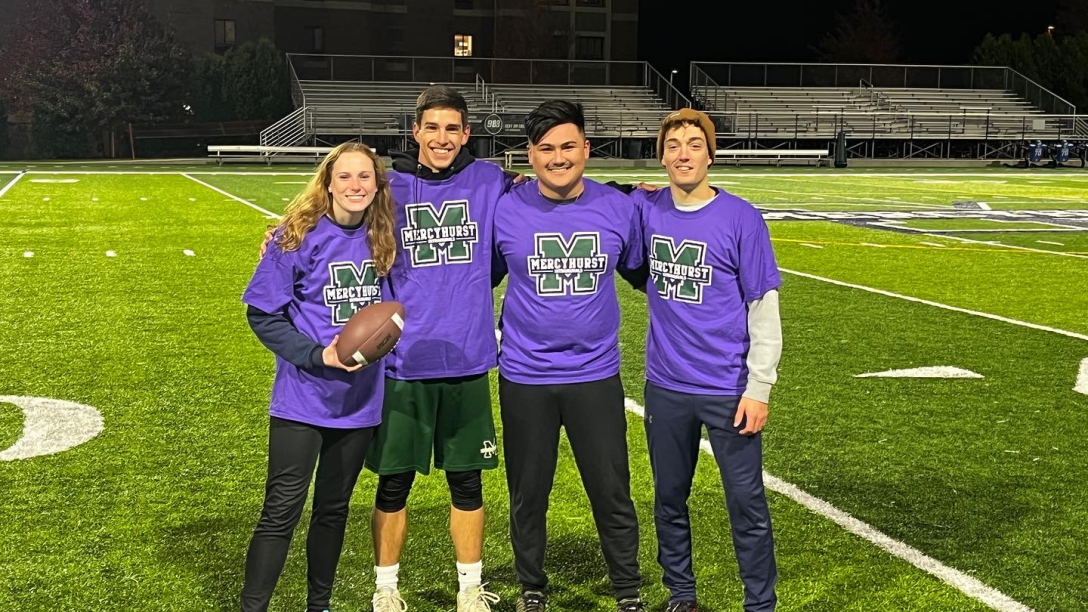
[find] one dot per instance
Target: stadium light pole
(1050, 30)
(671, 74)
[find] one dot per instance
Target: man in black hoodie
(438, 395)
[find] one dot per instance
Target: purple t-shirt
(319, 286)
(442, 273)
(705, 266)
(560, 318)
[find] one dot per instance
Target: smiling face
(440, 133)
(353, 185)
(686, 157)
(559, 160)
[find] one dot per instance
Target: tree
(865, 35)
(255, 82)
(87, 67)
(1059, 63)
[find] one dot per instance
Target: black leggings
(293, 451)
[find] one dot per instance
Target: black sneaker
(682, 606)
(632, 604)
(531, 601)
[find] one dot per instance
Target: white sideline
(1013, 246)
(967, 585)
(233, 197)
(12, 183)
(977, 313)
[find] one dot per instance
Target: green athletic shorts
(452, 416)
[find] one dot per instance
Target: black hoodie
(408, 163)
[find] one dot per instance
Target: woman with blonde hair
(329, 257)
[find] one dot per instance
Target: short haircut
(552, 113)
(441, 96)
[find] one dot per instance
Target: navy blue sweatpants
(674, 423)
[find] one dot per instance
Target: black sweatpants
(674, 423)
(593, 415)
(293, 450)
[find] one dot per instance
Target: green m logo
(435, 237)
(679, 272)
(351, 288)
(561, 266)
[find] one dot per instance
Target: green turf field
(978, 480)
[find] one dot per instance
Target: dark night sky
(674, 32)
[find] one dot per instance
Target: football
(370, 334)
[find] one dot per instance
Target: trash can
(481, 147)
(840, 150)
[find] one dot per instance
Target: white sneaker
(476, 599)
(388, 600)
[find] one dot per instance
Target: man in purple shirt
(437, 392)
(560, 239)
(712, 353)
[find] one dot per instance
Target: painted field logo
(680, 272)
(351, 289)
(434, 237)
(561, 266)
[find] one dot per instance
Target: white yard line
(233, 197)
(976, 313)
(972, 587)
(11, 184)
(1049, 242)
(1012, 246)
(1082, 378)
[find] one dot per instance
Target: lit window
(462, 45)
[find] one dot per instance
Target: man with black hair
(437, 393)
(561, 238)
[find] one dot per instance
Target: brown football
(370, 334)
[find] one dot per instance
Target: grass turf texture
(156, 511)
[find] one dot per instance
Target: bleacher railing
(664, 89)
(1038, 95)
(288, 131)
(297, 95)
(415, 69)
(897, 125)
(705, 91)
(747, 74)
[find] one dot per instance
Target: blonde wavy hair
(315, 201)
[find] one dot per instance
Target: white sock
(468, 574)
(386, 576)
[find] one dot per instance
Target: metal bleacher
(767, 112)
(354, 108)
(881, 102)
(368, 96)
(633, 111)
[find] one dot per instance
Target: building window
(315, 40)
(224, 33)
(462, 45)
(590, 48)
